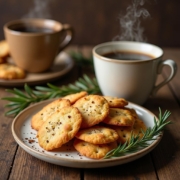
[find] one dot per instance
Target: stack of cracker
(96, 123)
(4, 51)
(8, 71)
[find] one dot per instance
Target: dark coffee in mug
(31, 29)
(128, 55)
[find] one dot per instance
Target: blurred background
(97, 21)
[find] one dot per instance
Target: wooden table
(163, 163)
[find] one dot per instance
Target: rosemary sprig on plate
(134, 144)
(20, 100)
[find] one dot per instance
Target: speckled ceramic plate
(25, 136)
(62, 65)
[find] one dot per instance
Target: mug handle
(173, 67)
(68, 38)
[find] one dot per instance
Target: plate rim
(21, 82)
(89, 162)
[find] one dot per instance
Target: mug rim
(115, 43)
(23, 21)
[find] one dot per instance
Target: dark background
(97, 21)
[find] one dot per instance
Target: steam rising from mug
(131, 29)
(40, 9)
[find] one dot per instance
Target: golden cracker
(97, 135)
(40, 117)
(116, 102)
(125, 132)
(9, 71)
(4, 49)
(94, 151)
(74, 97)
(94, 109)
(59, 128)
(120, 117)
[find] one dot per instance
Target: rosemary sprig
(20, 99)
(135, 143)
(81, 60)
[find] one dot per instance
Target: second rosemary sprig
(135, 143)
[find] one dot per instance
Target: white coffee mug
(132, 78)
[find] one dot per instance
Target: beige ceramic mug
(129, 69)
(34, 43)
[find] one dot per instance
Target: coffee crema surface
(128, 55)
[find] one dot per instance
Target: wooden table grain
(163, 163)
